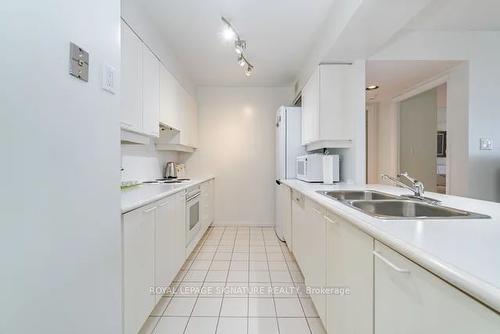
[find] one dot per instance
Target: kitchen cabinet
(409, 299)
(170, 241)
(178, 115)
(138, 266)
(315, 253)
(170, 103)
(300, 230)
(349, 265)
(284, 212)
(328, 106)
(150, 92)
(140, 85)
(131, 80)
(154, 250)
(207, 204)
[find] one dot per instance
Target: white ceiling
(398, 76)
(280, 35)
(459, 15)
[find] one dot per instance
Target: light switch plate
(109, 79)
(485, 144)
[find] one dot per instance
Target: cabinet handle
(150, 209)
(329, 219)
(162, 204)
(126, 124)
(317, 211)
(390, 264)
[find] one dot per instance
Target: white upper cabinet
(140, 85)
(150, 92)
(131, 80)
(170, 105)
(328, 104)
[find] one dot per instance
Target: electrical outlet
(485, 144)
(108, 78)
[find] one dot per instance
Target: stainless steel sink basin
(410, 209)
(354, 195)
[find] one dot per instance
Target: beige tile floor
(238, 280)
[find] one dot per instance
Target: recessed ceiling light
(372, 87)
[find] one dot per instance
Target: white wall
(475, 173)
(237, 135)
(60, 243)
(144, 162)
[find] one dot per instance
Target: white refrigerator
(288, 147)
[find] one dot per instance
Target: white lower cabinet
(300, 234)
(138, 266)
(372, 288)
(170, 236)
(207, 204)
(349, 265)
(315, 271)
(153, 252)
(411, 300)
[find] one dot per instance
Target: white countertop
(144, 194)
(463, 252)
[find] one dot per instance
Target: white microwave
(310, 168)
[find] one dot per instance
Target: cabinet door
(169, 99)
(185, 117)
(211, 211)
(167, 258)
(150, 92)
(131, 80)
(180, 228)
(299, 229)
(349, 265)
(338, 85)
(411, 300)
(310, 109)
(138, 266)
(205, 205)
(315, 272)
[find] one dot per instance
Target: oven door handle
(193, 197)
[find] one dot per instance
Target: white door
(349, 265)
(131, 80)
(411, 300)
(315, 272)
(169, 99)
(180, 228)
(138, 266)
(166, 258)
(150, 92)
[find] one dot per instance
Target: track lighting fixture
(230, 33)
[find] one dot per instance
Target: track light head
(240, 46)
(241, 60)
(249, 70)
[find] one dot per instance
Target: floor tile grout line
(225, 284)
(198, 295)
(298, 295)
(272, 286)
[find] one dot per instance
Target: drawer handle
(162, 204)
(329, 220)
(150, 209)
(317, 211)
(390, 264)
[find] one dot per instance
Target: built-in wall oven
(192, 213)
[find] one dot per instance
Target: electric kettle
(170, 171)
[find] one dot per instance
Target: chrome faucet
(416, 186)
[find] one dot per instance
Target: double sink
(386, 206)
